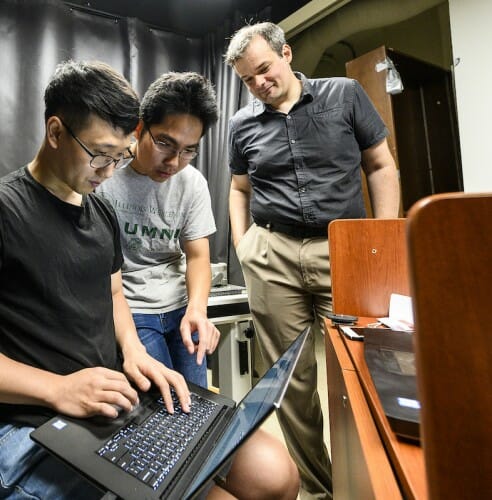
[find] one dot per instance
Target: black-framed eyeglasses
(170, 151)
(100, 160)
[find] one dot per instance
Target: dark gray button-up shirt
(304, 166)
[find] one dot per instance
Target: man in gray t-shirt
(165, 216)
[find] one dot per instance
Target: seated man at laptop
(67, 340)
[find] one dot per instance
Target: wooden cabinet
(368, 262)
(360, 465)
(421, 120)
(368, 460)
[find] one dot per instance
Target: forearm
(239, 213)
(384, 191)
(125, 331)
(138, 366)
(24, 384)
(198, 280)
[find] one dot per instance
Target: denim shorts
(160, 335)
(27, 471)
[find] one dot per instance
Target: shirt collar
(307, 95)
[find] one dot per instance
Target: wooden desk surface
(406, 458)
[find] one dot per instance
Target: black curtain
(231, 95)
(35, 35)
(152, 52)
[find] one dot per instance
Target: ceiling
(193, 18)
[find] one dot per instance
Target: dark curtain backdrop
(35, 35)
(231, 95)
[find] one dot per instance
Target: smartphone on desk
(342, 319)
(352, 332)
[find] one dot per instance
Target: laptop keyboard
(150, 449)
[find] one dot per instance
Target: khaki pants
(289, 288)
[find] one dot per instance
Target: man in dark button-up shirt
(295, 154)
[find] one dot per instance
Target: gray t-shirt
(154, 219)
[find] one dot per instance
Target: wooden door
(362, 69)
(423, 132)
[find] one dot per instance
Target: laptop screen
(391, 362)
(251, 412)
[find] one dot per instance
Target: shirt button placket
(296, 153)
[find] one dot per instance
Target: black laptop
(151, 454)
(390, 358)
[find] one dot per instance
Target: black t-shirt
(56, 261)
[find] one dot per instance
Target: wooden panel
(360, 466)
(406, 458)
(421, 120)
(450, 251)
(336, 359)
(368, 262)
(363, 70)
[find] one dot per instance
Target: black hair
(180, 93)
(78, 90)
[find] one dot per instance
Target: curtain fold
(29, 50)
(231, 95)
(35, 35)
(152, 52)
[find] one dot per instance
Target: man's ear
(139, 129)
(53, 131)
(287, 52)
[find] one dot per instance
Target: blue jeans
(27, 471)
(161, 337)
